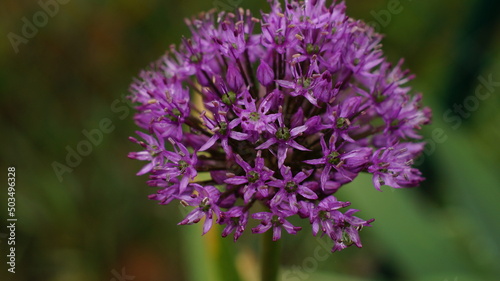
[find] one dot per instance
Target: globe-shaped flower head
(280, 111)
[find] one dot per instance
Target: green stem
(270, 261)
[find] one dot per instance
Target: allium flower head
(280, 111)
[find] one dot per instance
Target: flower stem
(270, 259)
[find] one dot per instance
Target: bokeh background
(95, 221)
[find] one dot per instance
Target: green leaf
(409, 229)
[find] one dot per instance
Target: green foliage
(98, 220)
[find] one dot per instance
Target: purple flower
(392, 166)
(346, 164)
(154, 152)
(265, 74)
(289, 187)
(347, 232)
(341, 115)
(255, 120)
(206, 206)
(325, 215)
(235, 220)
(284, 137)
(164, 105)
(222, 130)
(276, 221)
(254, 179)
(282, 111)
(181, 164)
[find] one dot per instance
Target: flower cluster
(283, 111)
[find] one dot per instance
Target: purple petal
(236, 180)
(267, 144)
(172, 156)
(234, 78)
(307, 193)
(208, 224)
(262, 216)
(302, 176)
(265, 74)
(261, 228)
(331, 187)
(242, 163)
(295, 145)
(276, 233)
(276, 183)
(311, 99)
(183, 184)
(324, 147)
(238, 135)
(319, 161)
(248, 192)
(193, 217)
(286, 84)
(349, 106)
(376, 181)
(278, 197)
(290, 228)
(211, 192)
(265, 106)
(325, 175)
(297, 118)
(148, 167)
(354, 236)
(235, 122)
(211, 141)
(298, 130)
(183, 148)
(227, 148)
(282, 150)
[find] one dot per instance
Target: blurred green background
(96, 223)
